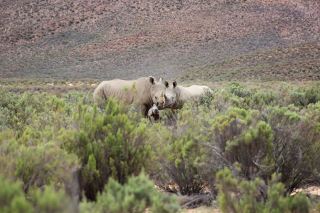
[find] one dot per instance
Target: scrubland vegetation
(245, 148)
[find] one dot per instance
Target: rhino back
(126, 91)
(191, 93)
(197, 90)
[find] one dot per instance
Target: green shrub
(305, 96)
(110, 143)
(17, 111)
(51, 200)
(180, 152)
(298, 98)
(261, 99)
(240, 137)
(44, 164)
(239, 90)
(183, 163)
(36, 165)
(137, 195)
(237, 196)
(295, 145)
(12, 198)
(225, 99)
(207, 99)
(34, 110)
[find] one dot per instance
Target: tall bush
(135, 196)
(296, 145)
(51, 200)
(304, 96)
(110, 143)
(240, 137)
(180, 151)
(12, 198)
(243, 196)
(36, 165)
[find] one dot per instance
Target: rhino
(143, 92)
(176, 96)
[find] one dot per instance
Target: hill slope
(185, 39)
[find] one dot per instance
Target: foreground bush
(36, 165)
(137, 195)
(109, 144)
(12, 199)
(17, 111)
(180, 152)
(242, 196)
(51, 200)
(296, 145)
(304, 96)
(239, 136)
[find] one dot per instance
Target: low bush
(45, 164)
(13, 199)
(17, 111)
(295, 145)
(263, 98)
(239, 90)
(304, 96)
(239, 136)
(180, 152)
(51, 200)
(240, 141)
(241, 196)
(35, 110)
(36, 165)
(137, 195)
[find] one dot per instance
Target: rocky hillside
(184, 39)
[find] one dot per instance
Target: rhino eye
(156, 97)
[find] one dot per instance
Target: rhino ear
(174, 83)
(166, 84)
(151, 79)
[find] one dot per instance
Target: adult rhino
(143, 92)
(177, 96)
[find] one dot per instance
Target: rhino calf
(154, 113)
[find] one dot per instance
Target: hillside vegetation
(247, 148)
